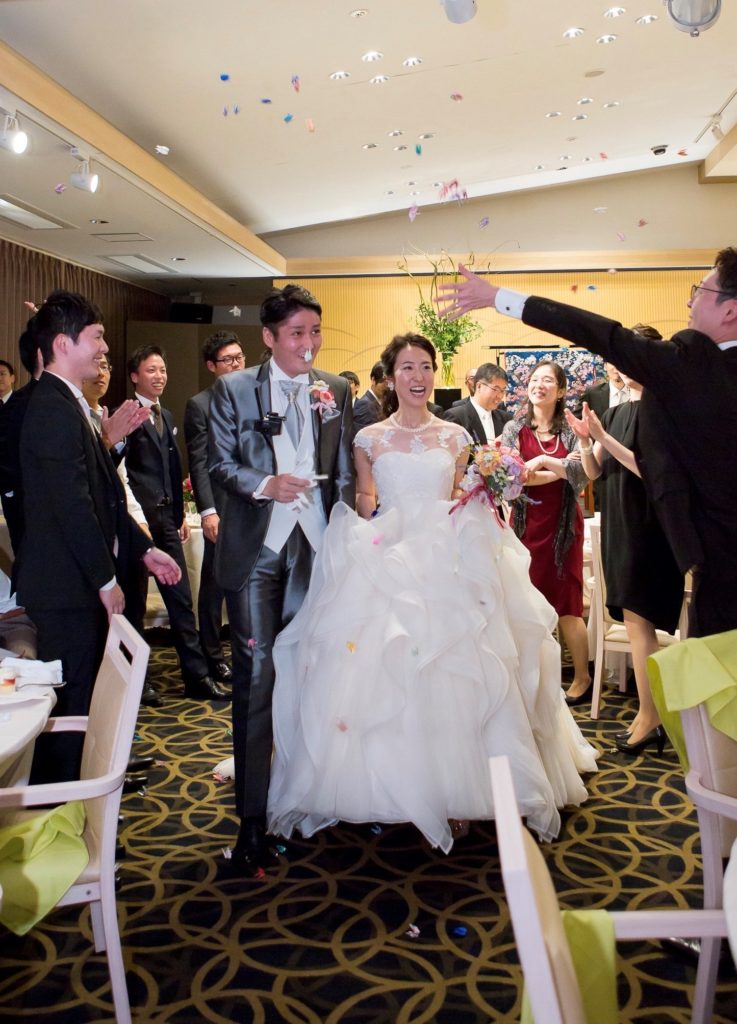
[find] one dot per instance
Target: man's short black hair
(726, 265)
(281, 303)
(8, 366)
(490, 371)
(62, 313)
(377, 372)
(350, 376)
(142, 354)
(216, 342)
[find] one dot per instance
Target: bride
(421, 648)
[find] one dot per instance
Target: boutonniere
(323, 400)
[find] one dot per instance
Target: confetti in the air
(412, 932)
(460, 930)
(224, 76)
(641, 222)
(456, 97)
(253, 642)
(265, 99)
(235, 310)
(351, 646)
(342, 727)
(310, 124)
(612, 270)
(376, 829)
(484, 222)
(225, 111)
(621, 236)
(574, 288)
(296, 83)
(287, 118)
(61, 187)
(413, 211)
(377, 539)
(452, 190)
(236, 109)
(162, 150)
(418, 149)
(603, 156)
(682, 152)
(590, 287)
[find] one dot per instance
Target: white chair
(108, 731)
(610, 635)
(711, 783)
(545, 957)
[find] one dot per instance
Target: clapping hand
(127, 418)
(460, 297)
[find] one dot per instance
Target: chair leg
(598, 673)
(622, 671)
(98, 926)
(706, 981)
(116, 965)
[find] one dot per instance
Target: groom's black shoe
(252, 847)
(205, 689)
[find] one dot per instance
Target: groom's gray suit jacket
(242, 455)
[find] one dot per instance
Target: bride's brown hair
(399, 343)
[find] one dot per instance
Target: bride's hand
(460, 297)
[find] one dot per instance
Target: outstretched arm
(460, 297)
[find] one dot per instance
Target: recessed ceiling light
(371, 56)
(179, 259)
(98, 220)
(415, 192)
(587, 159)
(411, 184)
(395, 134)
(426, 135)
(584, 100)
(614, 12)
(337, 76)
(389, 192)
(580, 117)
(646, 19)
(564, 159)
(379, 79)
(593, 74)
(359, 12)
(553, 113)
(539, 167)
(437, 184)
(572, 33)
(399, 149)
(369, 145)
(600, 209)
(412, 62)
(610, 104)
(162, 150)
(605, 40)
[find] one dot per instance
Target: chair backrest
(713, 756)
(112, 718)
(550, 977)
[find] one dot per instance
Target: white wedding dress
(421, 649)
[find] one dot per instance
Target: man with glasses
(687, 424)
(222, 354)
(480, 414)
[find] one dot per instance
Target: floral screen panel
(582, 369)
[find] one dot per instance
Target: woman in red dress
(551, 524)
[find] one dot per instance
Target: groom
(281, 452)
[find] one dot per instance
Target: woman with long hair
(550, 525)
(421, 648)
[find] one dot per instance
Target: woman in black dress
(644, 585)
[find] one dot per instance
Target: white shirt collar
(72, 387)
(724, 345)
(480, 410)
(276, 373)
(6, 398)
(147, 402)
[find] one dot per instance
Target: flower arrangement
(495, 473)
(323, 400)
(187, 492)
(446, 335)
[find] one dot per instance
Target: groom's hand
(285, 487)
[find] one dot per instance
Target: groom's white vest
(298, 462)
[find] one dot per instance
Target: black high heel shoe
(655, 736)
(582, 698)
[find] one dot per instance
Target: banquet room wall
(362, 314)
(26, 274)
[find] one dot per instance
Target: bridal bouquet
(495, 473)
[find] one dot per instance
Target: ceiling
(120, 79)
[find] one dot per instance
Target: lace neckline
(411, 430)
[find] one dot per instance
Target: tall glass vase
(446, 371)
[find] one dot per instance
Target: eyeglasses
(701, 288)
(500, 392)
(231, 360)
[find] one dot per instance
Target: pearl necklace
(553, 450)
(412, 430)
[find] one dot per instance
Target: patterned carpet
(324, 940)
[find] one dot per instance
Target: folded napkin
(701, 670)
(28, 671)
(40, 858)
(590, 935)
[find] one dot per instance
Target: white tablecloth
(22, 718)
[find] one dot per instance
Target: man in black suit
(12, 415)
(155, 475)
(480, 414)
(608, 393)
(687, 423)
(283, 459)
(222, 354)
(367, 408)
(78, 534)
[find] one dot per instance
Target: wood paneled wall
(362, 314)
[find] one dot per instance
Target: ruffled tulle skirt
(421, 650)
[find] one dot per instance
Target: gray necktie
(158, 421)
(294, 419)
(624, 394)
